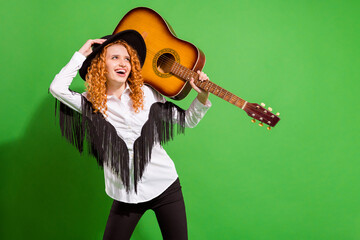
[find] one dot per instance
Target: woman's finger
(202, 76)
(86, 48)
(194, 86)
(99, 41)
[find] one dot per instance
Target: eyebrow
(117, 55)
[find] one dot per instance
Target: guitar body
(162, 43)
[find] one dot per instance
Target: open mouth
(121, 72)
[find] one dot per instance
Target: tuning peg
(268, 128)
(262, 104)
(261, 124)
(253, 120)
(270, 109)
(277, 114)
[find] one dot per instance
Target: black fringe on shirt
(157, 129)
(110, 149)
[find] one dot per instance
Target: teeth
(121, 71)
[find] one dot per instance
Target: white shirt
(160, 172)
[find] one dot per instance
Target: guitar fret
(183, 71)
(206, 85)
(191, 73)
(176, 70)
(216, 90)
(222, 93)
(172, 68)
(185, 74)
(201, 84)
(226, 96)
(230, 97)
(234, 99)
(175, 66)
(188, 74)
(236, 102)
(239, 102)
(212, 88)
(179, 70)
(231, 100)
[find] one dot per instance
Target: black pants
(169, 209)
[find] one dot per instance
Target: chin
(117, 80)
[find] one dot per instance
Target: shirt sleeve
(59, 87)
(193, 114)
(196, 112)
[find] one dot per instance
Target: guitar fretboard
(186, 74)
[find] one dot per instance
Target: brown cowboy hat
(131, 37)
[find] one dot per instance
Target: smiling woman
(116, 62)
(125, 124)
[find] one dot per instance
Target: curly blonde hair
(96, 85)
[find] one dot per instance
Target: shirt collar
(127, 88)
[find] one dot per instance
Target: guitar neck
(186, 74)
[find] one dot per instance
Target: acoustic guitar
(171, 62)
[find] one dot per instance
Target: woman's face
(118, 66)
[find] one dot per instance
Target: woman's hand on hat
(86, 48)
(202, 94)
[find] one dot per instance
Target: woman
(125, 123)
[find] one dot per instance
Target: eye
(127, 59)
(114, 57)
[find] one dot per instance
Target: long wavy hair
(96, 85)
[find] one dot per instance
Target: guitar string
(163, 59)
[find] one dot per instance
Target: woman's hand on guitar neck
(202, 94)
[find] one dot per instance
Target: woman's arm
(202, 94)
(198, 107)
(59, 87)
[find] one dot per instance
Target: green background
(240, 181)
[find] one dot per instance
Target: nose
(122, 63)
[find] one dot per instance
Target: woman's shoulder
(146, 88)
(150, 93)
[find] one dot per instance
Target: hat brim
(131, 37)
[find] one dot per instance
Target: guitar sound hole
(165, 62)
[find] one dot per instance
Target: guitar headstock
(258, 112)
